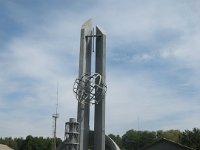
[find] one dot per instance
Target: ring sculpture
(88, 87)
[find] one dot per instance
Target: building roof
(163, 140)
(5, 147)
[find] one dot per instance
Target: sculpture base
(109, 143)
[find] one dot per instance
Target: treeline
(30, 143)
(134, 140)
(131, 140)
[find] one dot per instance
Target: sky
(153, 61)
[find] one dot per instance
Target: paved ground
(5, 147)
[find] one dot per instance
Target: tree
(133, 140)
(191, 138)
(20, 142)
(30, 143)
(173, 135)
(9, 141)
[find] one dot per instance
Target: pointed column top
(101, 30)
(87, 24)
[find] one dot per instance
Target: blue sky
(153, 61)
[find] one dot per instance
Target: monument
(90, 88)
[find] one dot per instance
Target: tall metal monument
(91, 88)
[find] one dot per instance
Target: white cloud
(138, 96)
(47, 49)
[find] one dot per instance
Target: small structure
(165, 144)
(5, 147)
(72, 134)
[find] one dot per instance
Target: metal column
(84, 67)
(100, 67)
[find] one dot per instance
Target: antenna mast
(55, 116)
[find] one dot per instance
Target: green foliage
(30, 143)
(9, 141)
(133, 140)
(173, 135)
(191, 138)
